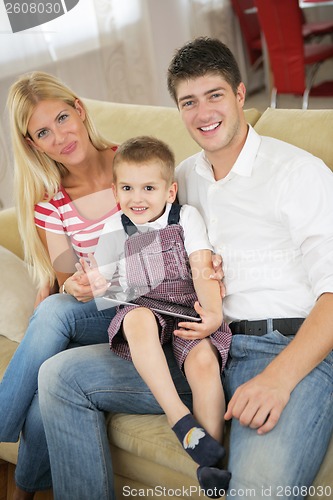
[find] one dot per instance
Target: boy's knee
(138, 317)
(204, 358)
(140, 324)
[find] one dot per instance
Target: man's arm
(259, 402)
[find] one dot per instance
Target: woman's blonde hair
(36, 176)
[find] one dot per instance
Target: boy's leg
(203, 373)
(149, 360)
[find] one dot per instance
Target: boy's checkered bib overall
(157, 269)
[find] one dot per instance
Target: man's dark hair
(199, 57)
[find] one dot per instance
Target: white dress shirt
(271, 219)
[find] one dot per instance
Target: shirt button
(213, 220)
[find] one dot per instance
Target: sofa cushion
(17, 296)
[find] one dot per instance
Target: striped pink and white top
(60, 216)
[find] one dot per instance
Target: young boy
(167, 259)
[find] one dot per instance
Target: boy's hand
(210, 322)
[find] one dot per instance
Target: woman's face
(57, 129)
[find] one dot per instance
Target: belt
(286, 326)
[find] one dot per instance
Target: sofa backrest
(118, 122)
(310, 129)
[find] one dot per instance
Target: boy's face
(211, 112)
(142, 192)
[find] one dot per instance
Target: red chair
(315, 29)
(245, 11)
(250, 27)
(289, 56)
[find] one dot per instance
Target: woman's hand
(218, 273)
(87, 283)
(191, 330)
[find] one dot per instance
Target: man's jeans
(278, 464)
(59, 322)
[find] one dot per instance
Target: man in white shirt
(268, 207)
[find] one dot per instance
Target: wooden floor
(7, 484)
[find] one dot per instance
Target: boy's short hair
(143, 149)
(201, 56)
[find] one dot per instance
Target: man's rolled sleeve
(308, 204)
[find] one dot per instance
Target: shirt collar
(245, 161)
(243, 166)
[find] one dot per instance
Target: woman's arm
(64, 260)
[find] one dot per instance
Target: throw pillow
(17, 296)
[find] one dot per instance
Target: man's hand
(218, 274)
(258, 403)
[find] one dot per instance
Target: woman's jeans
(77, 387)
(59, 322)
(285, 460)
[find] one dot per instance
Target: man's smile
(209, 128)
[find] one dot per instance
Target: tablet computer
(176, 310)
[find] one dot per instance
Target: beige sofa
(146, 453)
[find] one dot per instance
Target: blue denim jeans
(278, 464)
(59, 322)
(75, 389)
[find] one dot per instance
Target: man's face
(212, 113)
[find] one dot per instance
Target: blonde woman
(63, 177)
